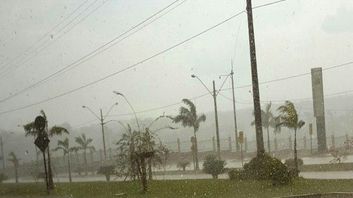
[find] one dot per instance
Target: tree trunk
(143, 175)
(107, 177)
(78, 167)
(69, 167)
(50, 172)
(295, 152)
(85, 159)
(196, 153)
(276, 143)
(16, 174)
(150, 176)
(268, 140)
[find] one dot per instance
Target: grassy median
(179, 188)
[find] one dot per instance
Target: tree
(213, 166)
(266, 120)
(16, 162)
(275, 124)
(137, 149)
(183, 164)
(64, 146)
(289, 118)
(188, 118)
(107, 171)
(84, 144)
(30, 130)
(126, 163)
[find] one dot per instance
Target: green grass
(180, 188)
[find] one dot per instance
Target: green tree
(289, 118)
(30, 130)
(64, 146)
(213, 166)
(84, 144)
(126, 162)
(188, 117)
(16, 162)
(266, 120)
(183, 164)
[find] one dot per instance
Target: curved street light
(131, 107)
(214, 95)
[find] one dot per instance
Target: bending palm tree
(84, 144)
(13, 158)
(188, 118)
(289, 118)
(64, 146)
(30, 130)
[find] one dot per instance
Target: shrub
(183, 164)
(106, 171)
(213, 166)
(237, 174)
(264, 167)
(3, 177)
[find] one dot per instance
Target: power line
(126, 68)
(47, 43)
(294, 76)
(44, 35)
(93, 53)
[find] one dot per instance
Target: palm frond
(57, 130)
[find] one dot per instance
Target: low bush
(213, 166)
(264, 167)
(107, 171)
(183, 164)
(3, 177)
(237, 174)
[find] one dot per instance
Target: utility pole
(216, 118)
(102, 124)
(2, 153)
(255, 82)
(235, 112)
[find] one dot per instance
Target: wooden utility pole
(216, 118)
(2, 153)
(255, 82)
(234, 112)
(102, 125)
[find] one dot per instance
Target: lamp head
(118, 93)
(193, 76)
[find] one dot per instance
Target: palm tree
(13, 158)
(266, 120)
(30, 130)
(289, 118)
(275, 124)
(189, 118)
(84, 144)
(65, 147)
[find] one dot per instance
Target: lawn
(179, 188)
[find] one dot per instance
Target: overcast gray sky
(291, 37)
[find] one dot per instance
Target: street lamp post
(131, 107)
(101, 119)
(214, 94)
